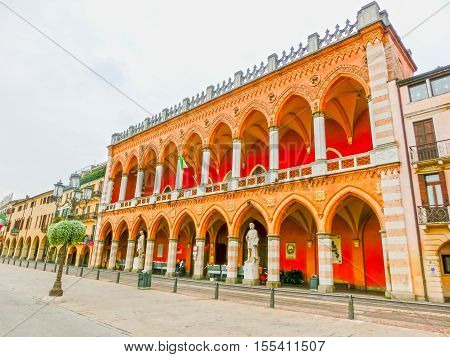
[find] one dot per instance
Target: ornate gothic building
(304, 145)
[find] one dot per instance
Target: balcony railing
(15, 231)
(342, 164)
(87, 216)
(433, 214)
(432, 151)
(44, 229)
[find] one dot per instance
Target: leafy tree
(64, 233)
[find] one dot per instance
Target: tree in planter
(64, 233)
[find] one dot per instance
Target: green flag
(3, 220)
(183, 164)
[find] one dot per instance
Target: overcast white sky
(57, 117)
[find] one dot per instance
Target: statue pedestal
(251, 273)
(138, 264)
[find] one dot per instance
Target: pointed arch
(288, 202)
(206, 217)
(116, 168)
(120, 227)
(179, 220)
(222, 119)
(132, 161)
(353, 72)
(137, 223)
(334, 202)
(106, 228)
(247, 113)
(239, 216)
(160, 218)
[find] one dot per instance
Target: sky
(57, 117)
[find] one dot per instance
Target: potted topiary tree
(64, 233)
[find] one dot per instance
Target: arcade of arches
(296, 137)
(340, 238)
(307, 153)
(38, 249)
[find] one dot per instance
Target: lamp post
(80, 197)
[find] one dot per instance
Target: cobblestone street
(96, 308)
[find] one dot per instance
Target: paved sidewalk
(96, 308)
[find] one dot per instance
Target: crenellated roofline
(366, 16)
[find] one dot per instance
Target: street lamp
(75, 180)
(80, 196)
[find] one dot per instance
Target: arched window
(258, 170)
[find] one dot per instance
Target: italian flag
(3, 220)
(183, 164)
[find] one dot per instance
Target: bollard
(35, 264)
(81, 272)
(118, 277)
(216, 292)
(54, 268)
(351, 310)
(175, 285)
(28, 264)
(67, 270)
(45, 266)
(98, 275)
(272, 298)
(20, 263)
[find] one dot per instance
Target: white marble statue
(252, 244)
(140, 245)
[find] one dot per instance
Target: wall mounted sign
(291, 251)
(336, 250)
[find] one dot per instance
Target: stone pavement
(96, 308)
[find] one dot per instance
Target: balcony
(44, 229)
(430, 153)
(14, 231)
(334, 166)
(433, 215)
(92, 216)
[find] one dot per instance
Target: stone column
(23, 253)
(40, 253)
(130, 255)
(123, 187)
(205, 165)
(326, 284)
(273, 260)
(232, 260)
(158, 179)
(149, 255)
(387, 272)
(109, 188)
(319, 166)
(139, 182)
(31, 252)
(236, 165)
(320, 146)
(179, 176)
(17, 252)
(98, 254)
(200, 259)
(172, 257)
(113, 255)
(274, 156)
